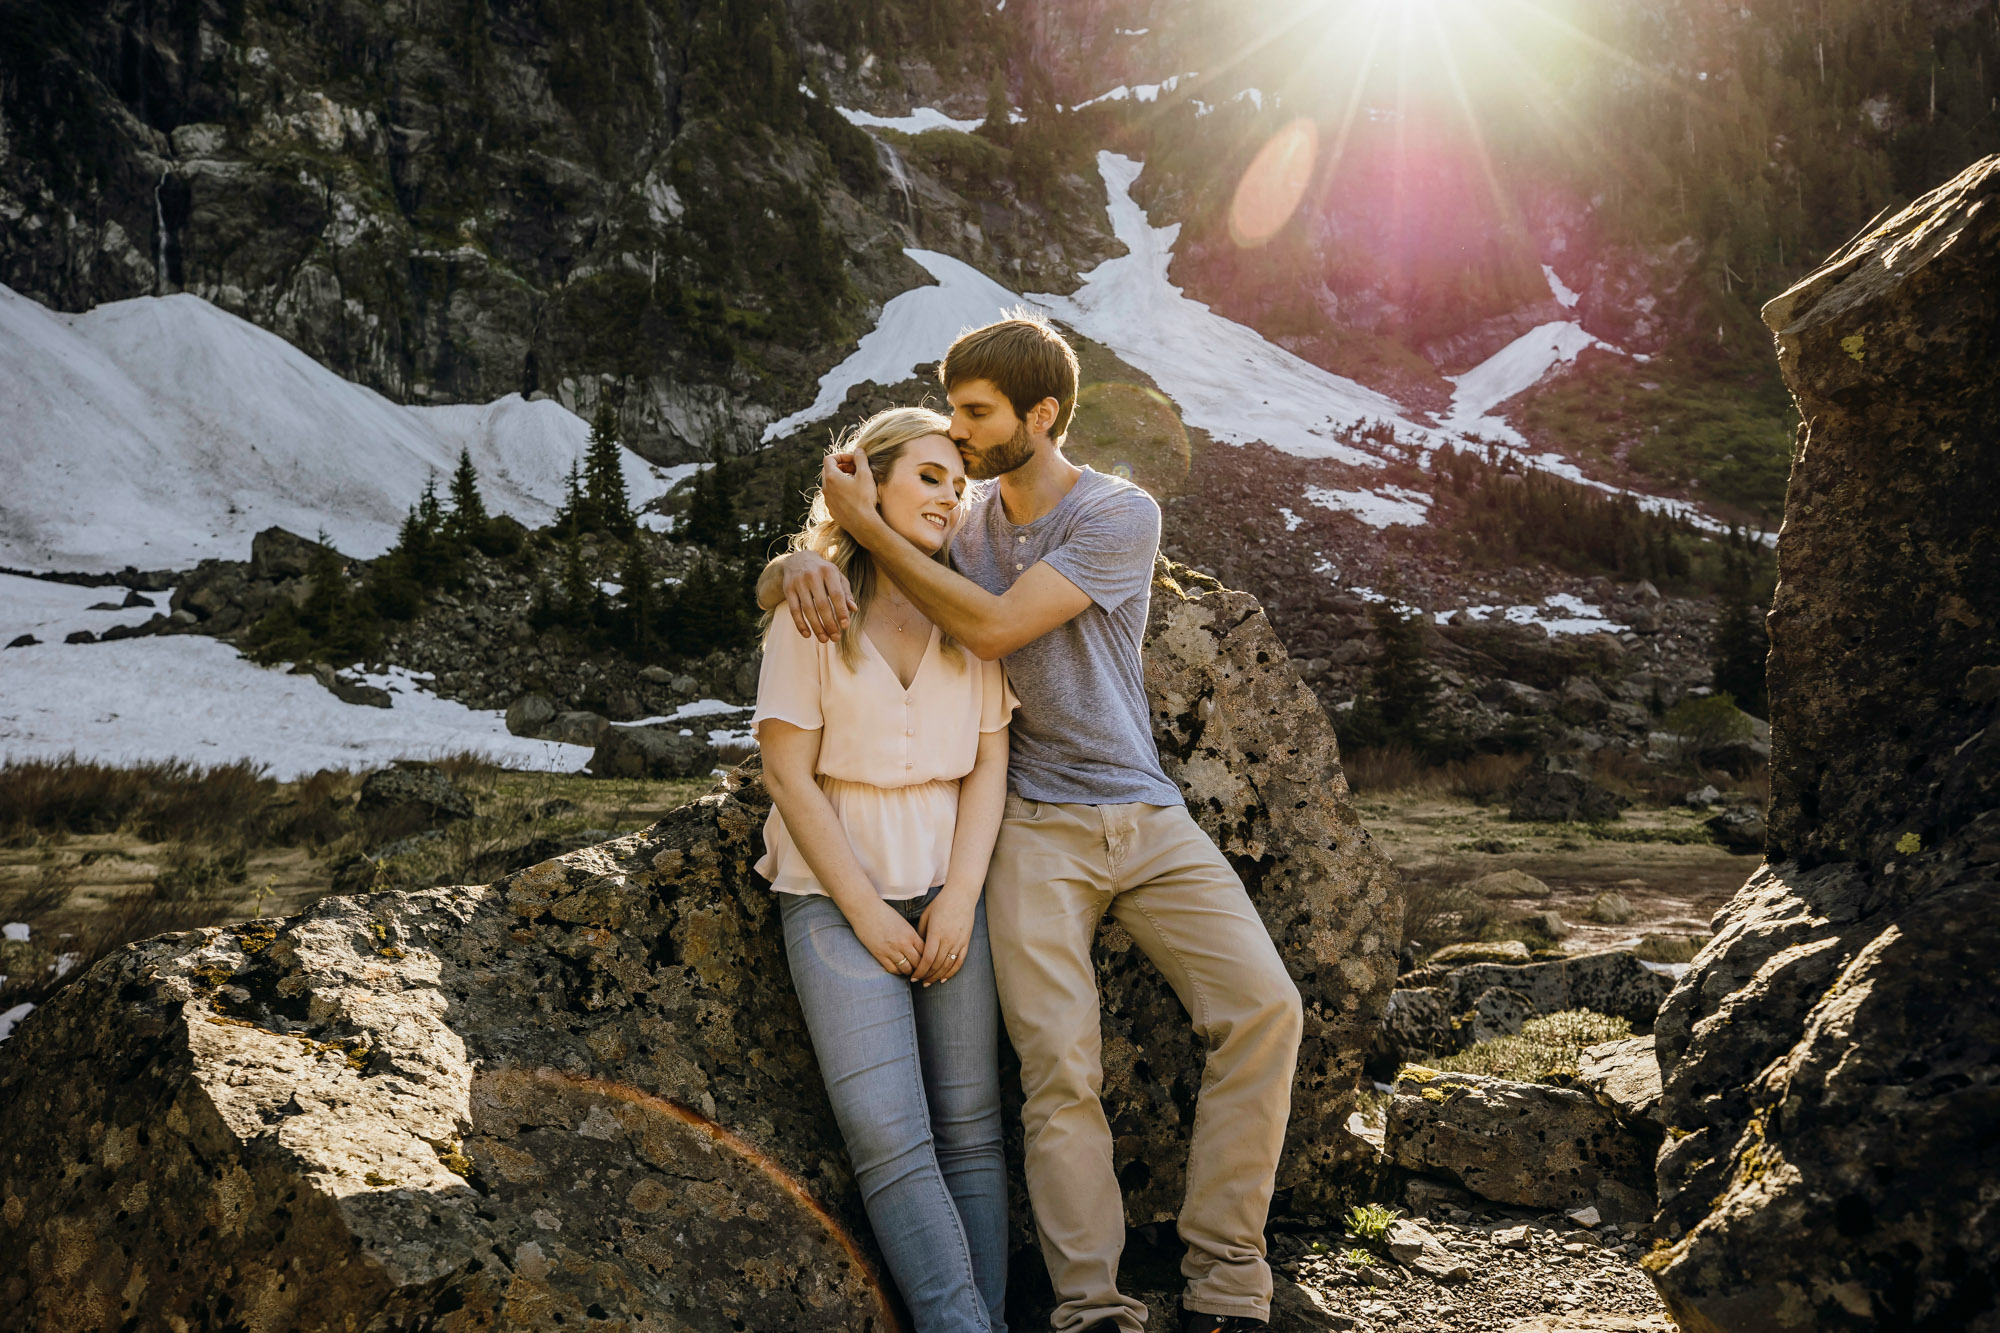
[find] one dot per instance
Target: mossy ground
(1720, 438)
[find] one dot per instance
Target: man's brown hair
(1024, 358)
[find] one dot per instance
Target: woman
(885, 754)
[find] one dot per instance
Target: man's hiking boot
(1194, 1321)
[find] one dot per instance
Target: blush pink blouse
(890, 759)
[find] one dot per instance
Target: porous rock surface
(584, 1096)
(1829, 1072)
(1520, 1143)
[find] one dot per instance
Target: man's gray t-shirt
(1084, 730)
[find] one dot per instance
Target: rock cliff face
(1830, 1083)
(453, 202)
(584, 1096)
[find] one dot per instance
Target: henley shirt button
(1017, 566)
(1020, 539)
(909, 765)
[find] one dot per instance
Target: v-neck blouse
(890, 757)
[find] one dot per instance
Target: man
(1057, 567)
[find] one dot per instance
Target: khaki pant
(1057, 869)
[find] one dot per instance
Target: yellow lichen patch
(1416, 1074)
(1430, 1094)
(453, 1156)
(377, 1178)
(1852, 344)
(211, 975)
(1909, 844)
(255, 936)
(1657, 1259)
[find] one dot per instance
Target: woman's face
(920, 496)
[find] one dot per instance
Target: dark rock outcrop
(585, 1093)
(421, 789)
(1556, 788)
(650, 752)
(1830, 1081)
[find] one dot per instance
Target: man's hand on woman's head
(817, 595)
(849, 487)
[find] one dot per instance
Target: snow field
(163, 430)
(191, 697)
(915, 327)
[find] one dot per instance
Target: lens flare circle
(1272, 186)
(1132, 431)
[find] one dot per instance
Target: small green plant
(1358, 1257)
(1370, 1220)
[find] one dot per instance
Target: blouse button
(1017, 566)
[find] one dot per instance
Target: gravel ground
(1524, 1271)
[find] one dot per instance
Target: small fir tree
(468, 522)
(569, 520)
(607, 509)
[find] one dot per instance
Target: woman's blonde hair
(881, 440)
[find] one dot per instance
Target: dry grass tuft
(171, 798)
(1545, 1050)
(1482, 779)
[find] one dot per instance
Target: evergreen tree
(1401, 687)
(468, 521)
(1739, 649)
(710, 610)
(606, 506)
(999, 123)
(638, 602)
(711, 514)
(578, 589)
(569, 520)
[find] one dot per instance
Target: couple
(944, 851)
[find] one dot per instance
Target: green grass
(1725, 435)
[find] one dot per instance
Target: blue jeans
(914, 1077)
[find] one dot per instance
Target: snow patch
(920, 119)
(191, 697)
(1560, 613)
(16, 931)
(1518, 366)
(915, 327)
(1142, 92)
(1387, 507)
(11, 1017)
(163, 430)
(1292, 521)
(1225, 378)
(1565, 298)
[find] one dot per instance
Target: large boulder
(1557, 788)
(276, 554)
(585, 1093)
(1522, 1143)
(422, 791)
(650, 752)
(1829, 1074)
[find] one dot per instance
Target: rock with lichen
(1829, 1088)
(584, 1096)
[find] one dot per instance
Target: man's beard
(986, 464)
